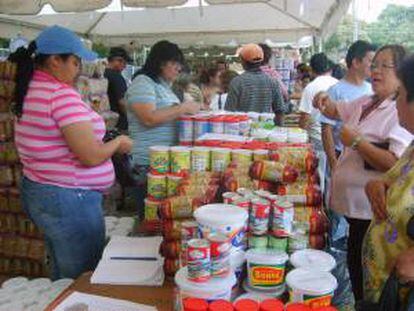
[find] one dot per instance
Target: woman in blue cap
(66, 166)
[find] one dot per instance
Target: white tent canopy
(146, 21)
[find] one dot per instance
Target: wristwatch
(355, 142)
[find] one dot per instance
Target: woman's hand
(405, 265)
(321, 101)
(190, 107)
(125, 144)
(376, 191)
(348, 135)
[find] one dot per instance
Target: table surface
(160, 297)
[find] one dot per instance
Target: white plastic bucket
(313, 259)
(274, 292)
(313, 288)
(214, 289)
(266, 268)
(223, 218)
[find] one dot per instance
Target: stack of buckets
(222, 219)
(310, 282)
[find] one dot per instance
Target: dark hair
(398, 53)
(226, 78)
(267, 53)
(23, 58)
(320, 63)
(405, 74)
(207, 73)
(358, 50)
(338, 71)
(160, 53)
(250, 66)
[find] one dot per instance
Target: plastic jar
(313, 259)
(312, 288)
(266, 268)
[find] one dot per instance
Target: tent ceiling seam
(93, 26)
(285, 12)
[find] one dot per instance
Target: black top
(116, 91)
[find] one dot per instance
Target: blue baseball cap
(60, 40)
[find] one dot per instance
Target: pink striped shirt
(48, 106)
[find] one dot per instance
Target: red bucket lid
(272, 305)
(246, 305)
(195, 304)
(221, 305)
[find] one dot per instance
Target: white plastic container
(313, 259)
(214, 289)
(266, 268)
(275, 292)
(223, 218)
(313, 288)
(237, 261)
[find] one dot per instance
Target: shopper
(388, 243)
(209, 83)
(218, 101)
(59, 140)
(373, 141)
(117, 86)
(309, 116)
(352, 86)
(254, 90)
(153, 108)
(271, 72)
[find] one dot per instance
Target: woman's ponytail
(23, 58)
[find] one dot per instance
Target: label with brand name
(266, 276)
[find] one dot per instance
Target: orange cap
(251, 53)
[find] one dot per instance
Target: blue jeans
(72, 222)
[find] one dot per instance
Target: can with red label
(228, 197)
(259, 216)
(220, 247)
(283, 214)
(198, 260)
(243, 202)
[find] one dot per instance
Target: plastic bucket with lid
(214, 289)
(266, 268)
(311, 287)
(313, 259)
(274, 292)
(223, 218)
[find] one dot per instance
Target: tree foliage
(393, 26)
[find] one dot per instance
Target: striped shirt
(49, 106)
(145, 90)
(255, 91)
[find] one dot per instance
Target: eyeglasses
(382, 66)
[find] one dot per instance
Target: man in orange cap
(254, 90)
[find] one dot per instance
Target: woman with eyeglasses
(153, 108)
(389, 242)
(373, 141)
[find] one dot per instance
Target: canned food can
(180, 160)
(244, 125)
(220, 247)
(217, 125)
(200, 159)
(241, 157)
(173, 181)
(245, 192)
(159, 159)
(151, 209)
(228, 197)
(201, 126)
(260, 154)
(278, 243)
(157, 186)
(220, 159)
(189, 231)
(283, 215)
(231, 125)
(258, 241)
(186, 129)
(243, 202)
(198, 260)
(259, 216)
(177, 207)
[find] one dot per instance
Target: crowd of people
(360, 126)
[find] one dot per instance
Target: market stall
(184, 22)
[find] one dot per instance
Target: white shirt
(214, 105)
(319, 84)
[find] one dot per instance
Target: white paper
(100, 303)
(129, 272)
(120, 246)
